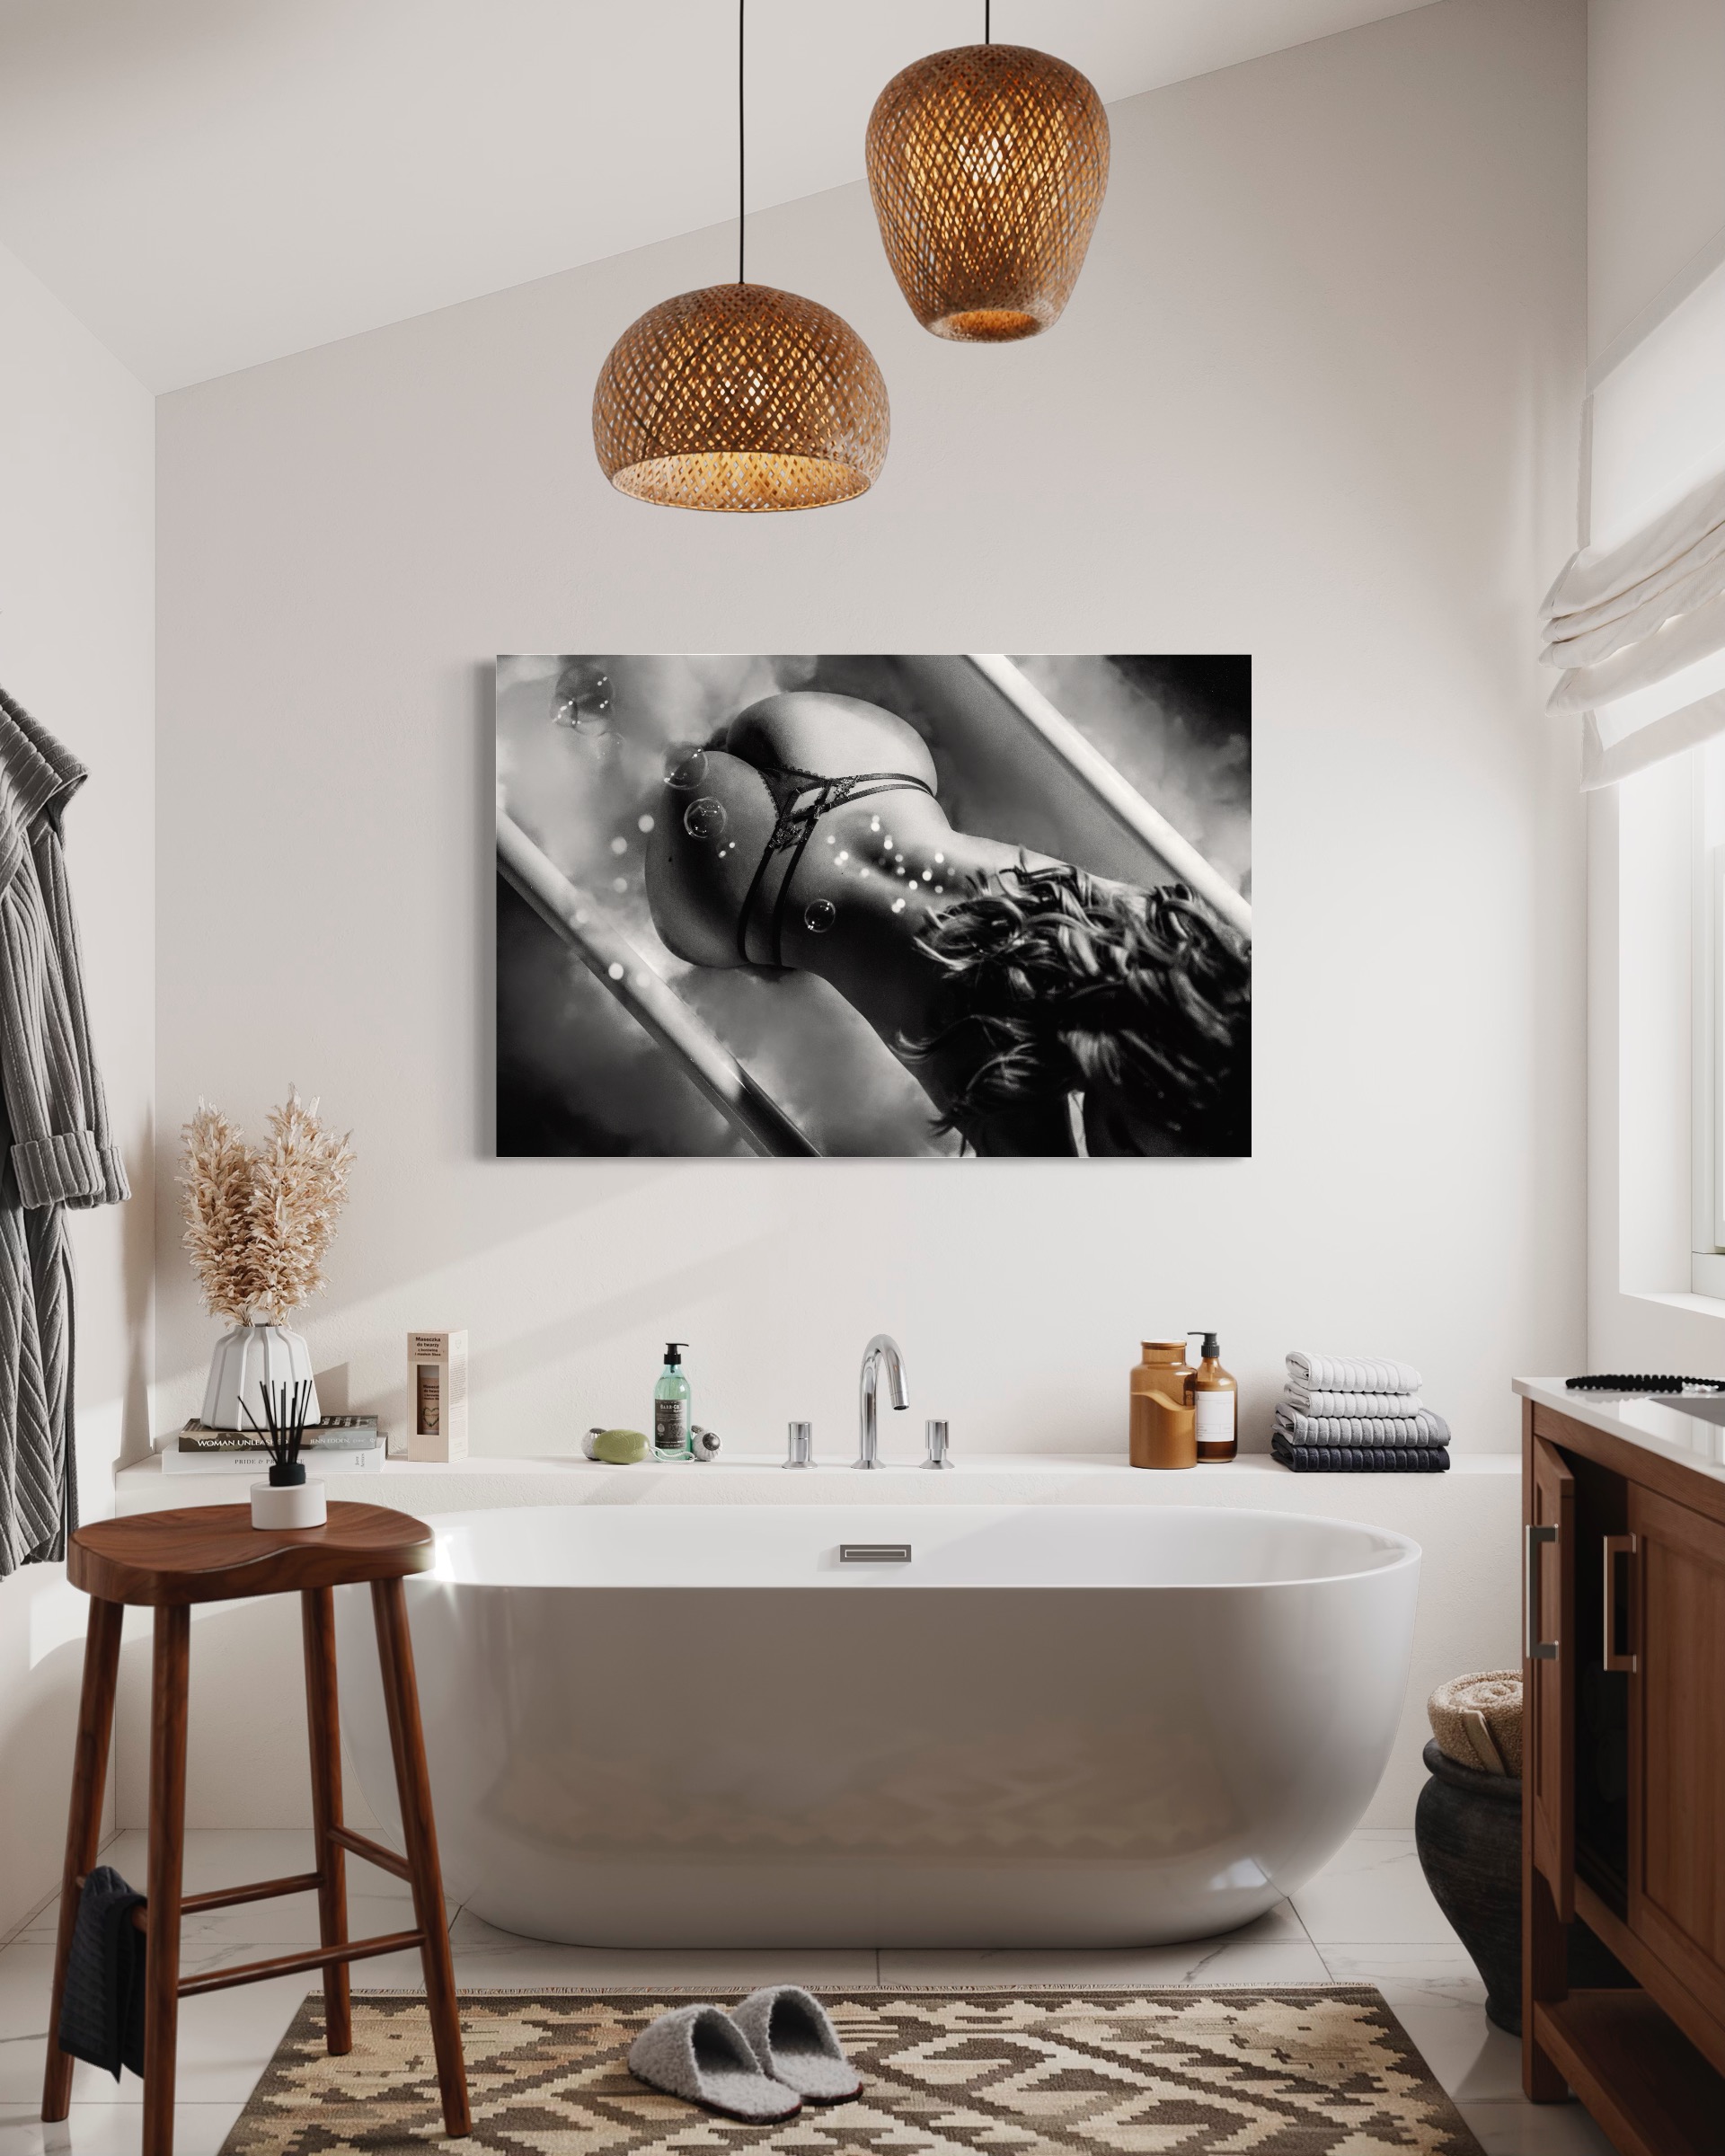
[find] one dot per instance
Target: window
(1707, 1013)
(1638, 621)
(1637, 618)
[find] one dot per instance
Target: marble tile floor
(1368, 1918)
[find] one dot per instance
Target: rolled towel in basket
(1477, 1721)
(1348, 1373)
(1420, 1427)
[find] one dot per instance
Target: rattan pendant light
(987, 165)
(739, 396)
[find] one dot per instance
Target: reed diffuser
(287, 1499)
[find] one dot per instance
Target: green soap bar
(620, 1448)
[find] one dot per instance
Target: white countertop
(1657, 1422)
(997, 1479)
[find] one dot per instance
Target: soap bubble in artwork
(583, 699)
(818, 915)
(705, 819)
(686, 770)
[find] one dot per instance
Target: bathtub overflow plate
(875, 1553)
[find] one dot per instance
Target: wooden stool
(166, 1562)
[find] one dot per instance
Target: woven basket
(987, 165)
(741, 397)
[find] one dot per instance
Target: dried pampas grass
(259, 1218)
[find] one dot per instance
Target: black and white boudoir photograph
(954, 905)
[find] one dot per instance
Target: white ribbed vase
(245, 1360)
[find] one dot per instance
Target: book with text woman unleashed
(342, 1445)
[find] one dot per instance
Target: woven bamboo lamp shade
(741, 397)
(987, 165)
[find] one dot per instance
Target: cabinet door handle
(1616, 1546)
(1536, 1649)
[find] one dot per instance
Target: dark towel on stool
(102, 2018)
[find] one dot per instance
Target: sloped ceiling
(208, 184)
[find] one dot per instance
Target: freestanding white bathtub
(1067, 1725)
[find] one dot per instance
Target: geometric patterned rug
(1295, 2071)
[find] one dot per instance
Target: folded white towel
(1422, 1428)
(1309, 1401)
(1348, 1373)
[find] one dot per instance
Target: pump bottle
(673, 1436)
(1215, 1398)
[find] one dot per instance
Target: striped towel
(1361, 1459)
(1309, 1401)
(1422, 1428)
(1345, 1373)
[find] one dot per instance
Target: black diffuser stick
(283, 1432)
(266, 1431)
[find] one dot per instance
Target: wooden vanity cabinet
(1677, 1852)
(1623, 1783)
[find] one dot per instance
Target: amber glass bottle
(1215, 1399)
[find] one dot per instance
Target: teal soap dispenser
(673, 1438)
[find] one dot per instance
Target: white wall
(77, 650)
(1315, 399)
(1655, 151)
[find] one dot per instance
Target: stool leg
(419, 1831)
(167, 1854)
(317, 1610)
(83, 1823)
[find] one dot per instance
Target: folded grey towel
(698, 2051)
(794, 2040)
(102, 2015)
(1351, 1373)
(1310, 1400)
(1420, 1427)
(1361, 1459)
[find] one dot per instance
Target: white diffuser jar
(247, 1358)
(299, 1503)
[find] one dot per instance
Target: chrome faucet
(881, 1349)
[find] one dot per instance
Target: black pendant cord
(987, 33)
(741, 140)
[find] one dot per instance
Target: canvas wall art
(951, 905)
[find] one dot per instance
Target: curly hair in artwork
(1059, 983)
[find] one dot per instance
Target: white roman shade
(1636, 621)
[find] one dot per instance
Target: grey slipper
(794, 2039)
(699, 2053)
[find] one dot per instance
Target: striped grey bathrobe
(55, 1148)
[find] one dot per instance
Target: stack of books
(335, 1445)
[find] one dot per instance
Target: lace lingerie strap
(801, 798)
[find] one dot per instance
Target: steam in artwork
(961, 906)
